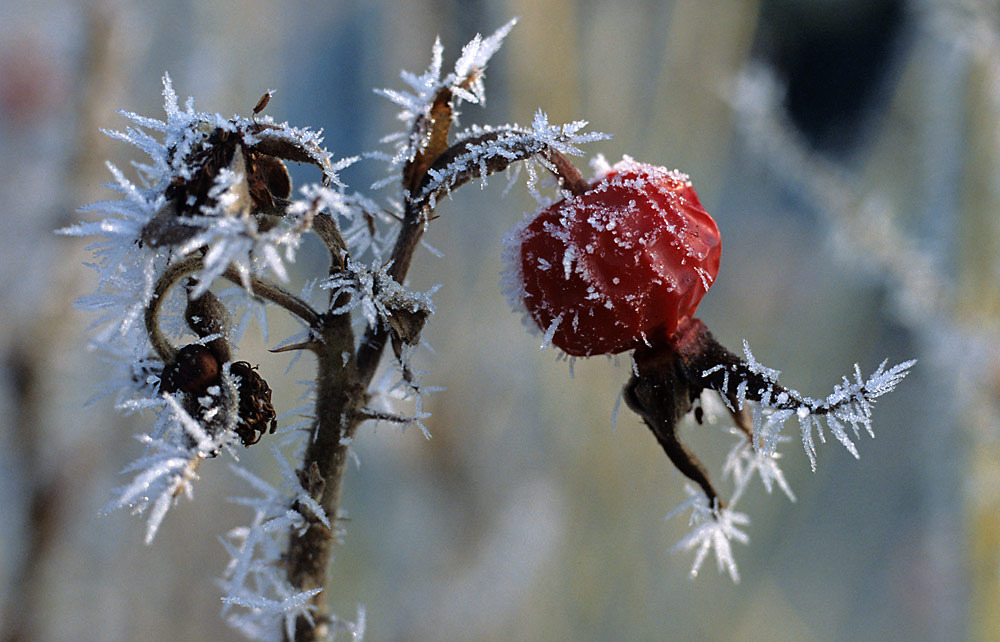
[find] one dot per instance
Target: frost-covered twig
(253, 579)
(486, 150)
(744, 384)
(849, 405)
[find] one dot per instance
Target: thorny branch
(215, 200)
(344, 378)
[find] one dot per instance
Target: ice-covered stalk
(432, 167)
(672, 372)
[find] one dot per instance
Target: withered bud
(256, 414)
(262, 103)
(194, 370)
(406, 323)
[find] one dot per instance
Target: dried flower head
(256, 414)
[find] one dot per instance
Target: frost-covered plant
(214, 203)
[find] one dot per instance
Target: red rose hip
(612, 268)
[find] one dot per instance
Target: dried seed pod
(256, 414)
(270, 174)
(194, 370)
(218, 151)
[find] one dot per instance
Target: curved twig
(425, 197)
(470, 159)
(264, 289)
(167, 280)
(260, 288)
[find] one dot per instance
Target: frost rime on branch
(489, 147)
(756, 388)
(254, 579)
(848, 406)
(465, 83)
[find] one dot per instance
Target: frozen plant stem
(343, 378)
(340, 398)
(342, 381)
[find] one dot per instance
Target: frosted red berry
(619, 265)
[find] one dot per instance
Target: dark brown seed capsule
(194, 369)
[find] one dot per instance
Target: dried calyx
(252, 154)
(197, 370)
(256, 414)
(667, 380)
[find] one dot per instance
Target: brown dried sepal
(166, 227)
(269, 182)
(661, 393)
(433, 131)
(282, 148)
(406, 324)
(265, 192)
(256, 414)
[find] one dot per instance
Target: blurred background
(847, 149)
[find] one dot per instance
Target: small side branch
(672, 372)
(489, 153)
(260, 288)
(168, 279)
(265, 289)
